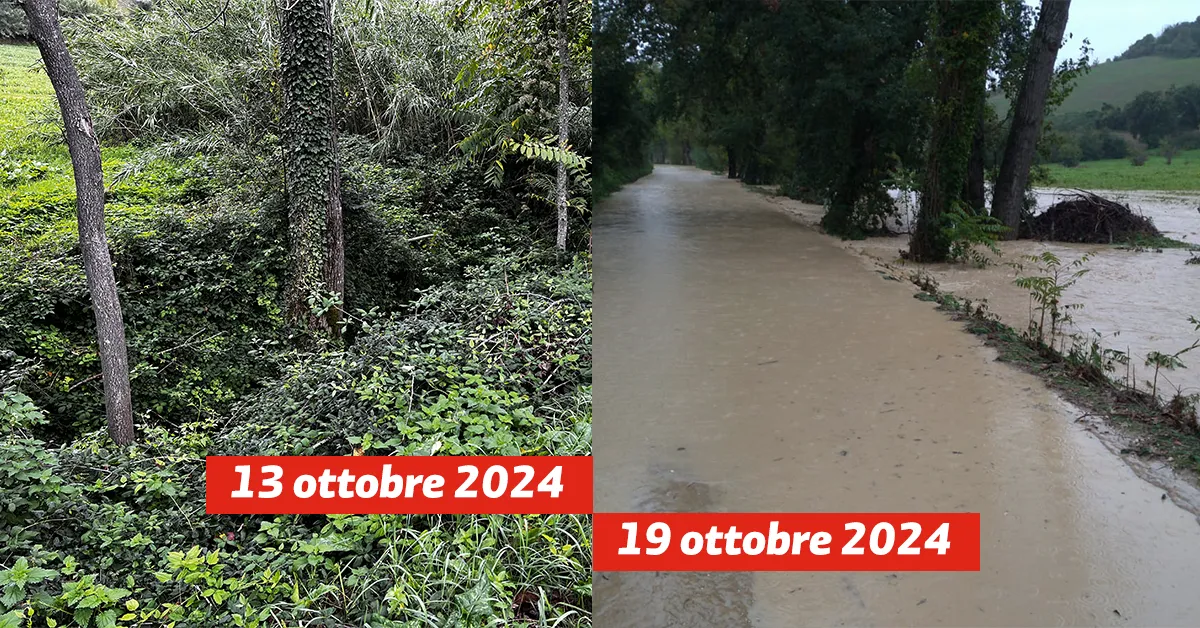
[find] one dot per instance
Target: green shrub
(1138, 156)
(1070, 155)
(1097, 144)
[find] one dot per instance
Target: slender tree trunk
(1028, 114)
(84, 148)
(316, 258)
(733, 165)
(975, 194)
(335, 236)
(564, 128)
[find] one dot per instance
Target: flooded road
(744, 362)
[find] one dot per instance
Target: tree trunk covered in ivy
(1028, 114)
(316, 258)
(564, 127)
(84, 149)
(959, 54)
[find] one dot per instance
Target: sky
(1112, 25)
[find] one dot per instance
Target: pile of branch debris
(1088, 218)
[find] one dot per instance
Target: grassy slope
(1119, 174)
(23, 88)
(33, 160)
(1119, 82)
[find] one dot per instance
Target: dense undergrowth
(467, 334)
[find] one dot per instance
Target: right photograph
(899, 257)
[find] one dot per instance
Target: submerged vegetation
(462, 328)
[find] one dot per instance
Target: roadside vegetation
(1154, 422)
(461, 327)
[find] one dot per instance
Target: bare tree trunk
(1028, 114)
(316, 257)
(564, 127)
(89, 192)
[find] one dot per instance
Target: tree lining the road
(831, 100)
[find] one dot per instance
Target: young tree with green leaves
(84, 149)
(519, 94)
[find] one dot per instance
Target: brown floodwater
(744, 362)
(1137, 301)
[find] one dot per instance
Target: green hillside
(1118, 82)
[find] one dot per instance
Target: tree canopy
(1178, 41)
(834, 102)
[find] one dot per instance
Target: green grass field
(25, 102)
(1119, 174)
(1117, 83)
(34, 163)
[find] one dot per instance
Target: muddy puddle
(744, 362)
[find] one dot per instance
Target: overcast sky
(1112, 25)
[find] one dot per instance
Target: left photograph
(295, 233)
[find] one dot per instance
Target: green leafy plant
(1170, 361)
(967, 231)
(14, 583)
(1138, 156)
(1046, 290)
(1091, 359)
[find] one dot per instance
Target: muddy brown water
(744, 362)
(1137, 301)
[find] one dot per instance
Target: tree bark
(564, 128)
(975, 194)
(733, 172)
(316, 258)
(335, 235)
(961, 63)
(84, 149)
(1028, 113)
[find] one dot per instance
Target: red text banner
(785, 542)
(285, 485)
